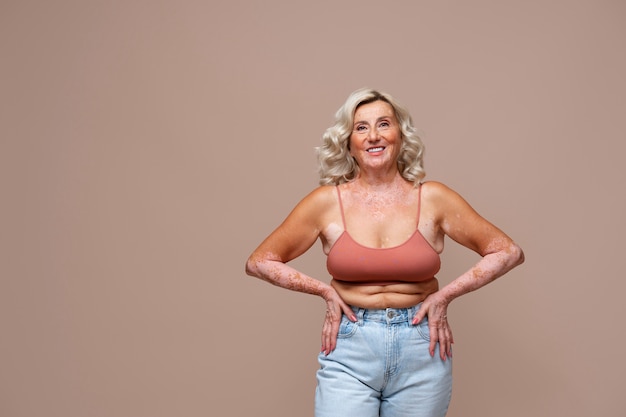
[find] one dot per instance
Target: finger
(444, 340)
(449, 342)
(449, 339)
(434, 338)
(443, 344)
(326, 334)
(333, 339)
(432, 347)
(327, 346)
(419, 316)
(347, 310)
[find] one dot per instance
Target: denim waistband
(386, 315)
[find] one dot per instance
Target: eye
(360, 128)
(384, 125)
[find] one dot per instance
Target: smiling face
(376, 138)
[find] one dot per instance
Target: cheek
(398, 137)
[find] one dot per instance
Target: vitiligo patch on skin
(387, 209)
(487, 269)
(269, 268)
(399, 193)
(331, 233)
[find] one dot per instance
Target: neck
(380, 182)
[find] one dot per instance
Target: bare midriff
(394, 295)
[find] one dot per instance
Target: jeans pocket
(423, 330)
(347, 328)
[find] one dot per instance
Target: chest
(382, 227)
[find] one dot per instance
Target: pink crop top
(412, 261)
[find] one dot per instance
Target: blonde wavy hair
(337, 166)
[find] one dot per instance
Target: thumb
(348, 312)
(419, 316)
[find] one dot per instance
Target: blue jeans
(382, 368)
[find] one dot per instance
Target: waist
(386, 315)
(401, 295)
(375, 283)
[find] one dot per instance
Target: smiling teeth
(380, 148)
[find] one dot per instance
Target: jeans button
(391, 314)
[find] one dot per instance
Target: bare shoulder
(314, 207)
(442, 196)
(323, 194)
(320, 199)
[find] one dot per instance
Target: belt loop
(360, 315)
(413, 312)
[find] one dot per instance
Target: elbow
(517, 255)
(252, 267)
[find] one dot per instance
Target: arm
(292, 238)
(458, 220)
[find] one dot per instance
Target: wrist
(447, 294)
(327, 292)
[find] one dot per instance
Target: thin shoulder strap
(343, 218)
(419, 203)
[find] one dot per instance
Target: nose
(372, 134)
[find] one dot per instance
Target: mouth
(376, 149)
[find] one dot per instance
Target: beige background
(148, 147)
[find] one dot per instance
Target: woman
(386, 342)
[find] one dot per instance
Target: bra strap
(419, 203)
(343, 218)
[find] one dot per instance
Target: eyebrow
(356, 122)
